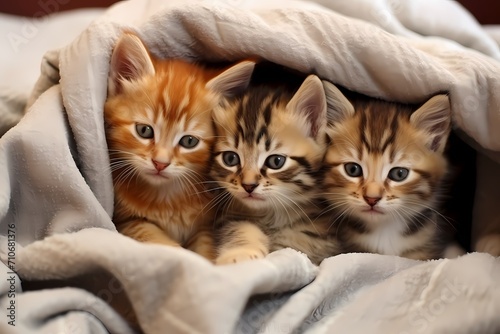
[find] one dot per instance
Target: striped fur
(272, 123)
(160, 182)
(374, 212)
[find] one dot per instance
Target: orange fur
(171, 206)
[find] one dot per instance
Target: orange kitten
(160, 139)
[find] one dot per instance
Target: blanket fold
(56, 195)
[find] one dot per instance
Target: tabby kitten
(160, 138)
(384, 173)
(270, 147)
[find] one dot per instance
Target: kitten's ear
(233, 80)
(338, 106)
(310, 102)
(130, 61)
(434, 118)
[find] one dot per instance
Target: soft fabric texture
(25, 42)
(56, 195)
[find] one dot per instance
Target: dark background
(486, 11)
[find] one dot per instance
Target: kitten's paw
(236, 255)
(489, 244)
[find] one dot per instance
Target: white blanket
(55, 179)
(25, 41)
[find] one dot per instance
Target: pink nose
(249, 187)
(160, 165)
(372, 201)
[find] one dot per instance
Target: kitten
(160, 138)
(270, 147)
(384, 174)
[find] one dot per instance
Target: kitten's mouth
(252, 197)
(373, 210)
(158, 175)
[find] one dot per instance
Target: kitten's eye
(353, 169)
(230, 158)
(189, 141)
(398, 174)
(145, 131)
(275, 161)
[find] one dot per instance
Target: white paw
(236, 255)
(489, 244)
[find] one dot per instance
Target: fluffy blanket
(25, 42)
(64, 264)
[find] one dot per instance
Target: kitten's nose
(372, 201)
(249, 187)
(160, 165)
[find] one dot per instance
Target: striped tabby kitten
(384, 173)
(270, 146)
(160, 139)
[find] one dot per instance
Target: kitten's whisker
(341, 216)
(193, 175)
(210, 190)
(399, 215)
(209, 181)
(125, 174)
(302, 213)
(228, 205)
(307, 199)
(185, 183)
(288, 199)
(416, 203)
(192, 178)
(216, 201)
(282, 204)
(114, 168)
(333, 207)
(135, 173)
(332, 194)
(414, 214)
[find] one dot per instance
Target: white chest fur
(389, 238)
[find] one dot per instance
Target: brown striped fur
(277, 203)
(160, 186)
(371, 211)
